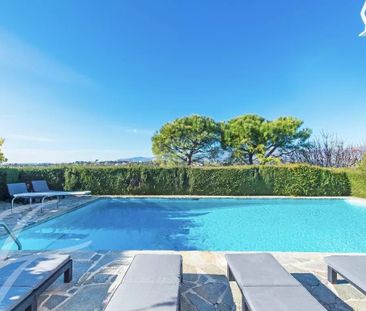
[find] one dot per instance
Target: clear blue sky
(86, 80)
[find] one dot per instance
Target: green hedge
(127, 180)
(289, 180)
(357, 178)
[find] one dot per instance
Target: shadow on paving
(321, 293)
(206, 292)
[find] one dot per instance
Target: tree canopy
(251, 138)
(187, 140)
(2, 157)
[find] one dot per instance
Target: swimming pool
(323, 225)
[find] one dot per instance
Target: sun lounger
(40, 186)
(19, 190)
(23, 279)
(151, 283)
(351, 268)
(267, 286)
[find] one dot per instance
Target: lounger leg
(68, 275)
(244, 305)
(58, 202)
(181, 273)
(229, 274)
(30, 203)
(12, 204)
(42, 203)
(34, 305)
(332, 275)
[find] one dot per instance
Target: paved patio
(205, 286)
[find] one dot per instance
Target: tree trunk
(189, 159)
(250, 159)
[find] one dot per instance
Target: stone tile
(348, 292)
(357, 305)
(109, 258)
(199, 303)
(186, 305)
(53, 301)
(324, 295)
(99, 279)
(87, 298)
(210, 291)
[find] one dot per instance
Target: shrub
(306, 180)
(289, 180)
(244, 180)
(357, 178)
(127, 180)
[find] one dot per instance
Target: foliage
(329, 151)
(291, 180)
(253, 139)
(127, 180)
(2, 156)
(187, 140)
(357, 178)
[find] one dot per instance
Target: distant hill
(136, 159)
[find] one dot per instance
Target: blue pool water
(205, 224)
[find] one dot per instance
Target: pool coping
(147, 196)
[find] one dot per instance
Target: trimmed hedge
(357, 178)
(127, 180)
(289, 180)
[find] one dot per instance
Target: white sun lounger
(19, 190)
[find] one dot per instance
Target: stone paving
(205, 286)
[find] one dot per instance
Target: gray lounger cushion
(267, 286)
(23, 279)
(353, 268)
(145, 296)
(151, 283)
(33, 273)
(154, 268)
(287, 298)
(40, 186)
(259, 270)
(10, 297)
